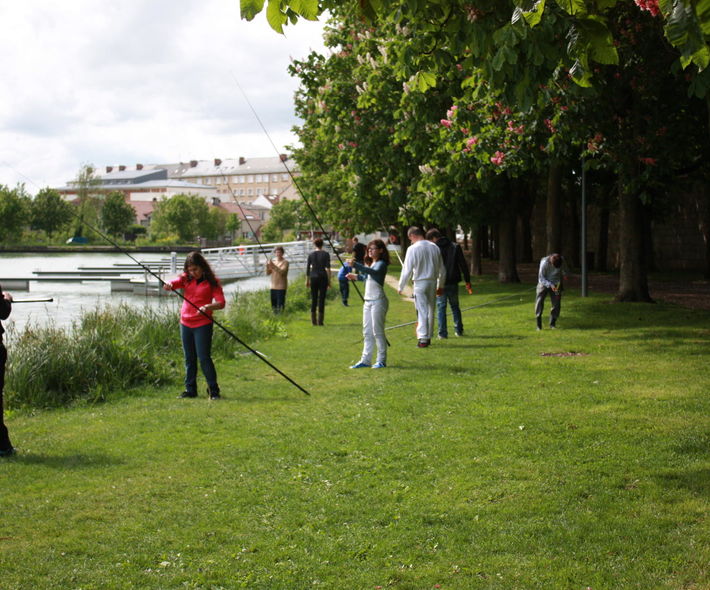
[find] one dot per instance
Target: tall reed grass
(111, 349)
(106, 350)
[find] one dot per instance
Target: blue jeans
(451, 294)
(197, 344)
(344, 290)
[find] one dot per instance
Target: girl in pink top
(203, 294)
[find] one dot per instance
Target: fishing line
(251, 229)
(382, 223)
(294, 181)
(298, 187)
(162, 282)
(468, 308)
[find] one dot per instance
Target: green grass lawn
(475, 463)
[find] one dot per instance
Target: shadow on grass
(71, 461)
(697, 481)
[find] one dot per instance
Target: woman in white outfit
(374, 310)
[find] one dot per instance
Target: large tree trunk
(633, 280)
(603, 249)
(507, 270)
(573, 253)
(553, 211)
(525, 203)
(485, 241)
(477, 238)
(702, 206)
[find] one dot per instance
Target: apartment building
(243, 179)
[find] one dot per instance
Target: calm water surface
(71, 298)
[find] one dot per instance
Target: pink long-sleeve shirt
(200, 293)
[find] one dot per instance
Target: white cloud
(140, 82)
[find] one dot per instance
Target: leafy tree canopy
(116, 214)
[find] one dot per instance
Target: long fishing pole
(298, 187)
(294, 181)
(34, 300)
(217, 323)
(162, 282)
(246, 218)
(467, 308)
(382, 223)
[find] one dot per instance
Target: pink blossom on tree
(498, 158)
(649, 5)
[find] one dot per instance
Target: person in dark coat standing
(318, 280)
(359, 251)
(6, 448)
(456, 266)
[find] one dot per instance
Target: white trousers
(373, 329)
(424, 301)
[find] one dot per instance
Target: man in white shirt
(424, 264)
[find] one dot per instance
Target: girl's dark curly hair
(196, 259)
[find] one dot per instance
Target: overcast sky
(136, 81)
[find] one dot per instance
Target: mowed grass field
(499, 460)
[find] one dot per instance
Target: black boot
(313, 318)
(213, 393)
(539, 323)
(320, 318)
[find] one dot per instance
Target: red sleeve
(179, 283)
(218, 293)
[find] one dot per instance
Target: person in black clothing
(455, 264)
(318, 279)
(359, 251)
(6, 448)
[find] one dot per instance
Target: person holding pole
(424, 264)
(549, 282)
(6, 448)
(277, 267)
(373, 271)
(455, 265)
(202, 294)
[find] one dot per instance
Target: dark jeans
(197, 344)
(319, 287)
(451, 294)
(5, 444)
(344, 290)
(278, 300)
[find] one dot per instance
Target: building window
(284, 177)
(250, 178)
(250, 192)
(260, 191)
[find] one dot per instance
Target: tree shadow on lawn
(697, 481)
(71, 461)
(632, 316)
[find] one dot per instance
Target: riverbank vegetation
(507, 459)
(117, 348)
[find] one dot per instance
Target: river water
(70, 298)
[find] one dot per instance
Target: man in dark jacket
(455, 264)
(5, 308)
